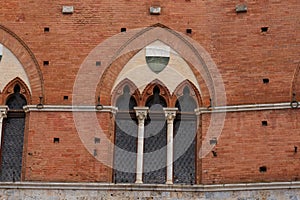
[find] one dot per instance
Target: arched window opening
(13, 137)
(184, 139)
(155, 140)
(125, 138)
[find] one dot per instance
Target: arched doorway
(13, 137)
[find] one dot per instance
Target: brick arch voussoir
(295, 88)
(106, 83)
(26, 57)
(182, 45)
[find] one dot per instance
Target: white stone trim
(141, 113)
(69, 108)
(3, 114)
(150, 187)
(170, 114)
(240, 108)
(3, 108)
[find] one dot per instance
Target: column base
(139, 182)
(169, 182)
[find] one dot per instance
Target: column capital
(141, 112)
(3, 112)
(170, 113)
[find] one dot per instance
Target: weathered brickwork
(246, 150)
(245, 145)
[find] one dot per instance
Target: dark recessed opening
(189, 31)
(55, 140)
(95, 152)
(123, 29)
(263, 169)
(46, 29)
(295, 149)
(66, 97)
(97, 140)
(98, 63)
(213, 141)
(264, 123)
(266, 80)
(214, 153)
(264, 29)
(46, 63)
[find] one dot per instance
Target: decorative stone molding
(3, 112)
(69, 108)
(141, 113)
(170, 114)
(240, 108)
(150, 187)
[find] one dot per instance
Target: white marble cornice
(69, 108)
(240, 108)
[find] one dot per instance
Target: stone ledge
(150, 187)
(69, 108)
(240, 108)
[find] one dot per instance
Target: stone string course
(95, 191)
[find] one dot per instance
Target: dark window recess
(55, 140)
(46, 63)
(213, 141)
(264, 29)
(66, 97)
(46, 29)
(263, 169)
(266, 80)
(264, 123)
(98, 63)
(95, 152)
(123, 29)
(189, 31)
(97, 140)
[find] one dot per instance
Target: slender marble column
(141, 113)
(2, 115)
(170, 114)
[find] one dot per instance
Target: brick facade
(37, 31)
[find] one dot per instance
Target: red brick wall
(244, 56)
(67, 160)
(242, 53)
(245, 145)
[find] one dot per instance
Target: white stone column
(3, 111)
(170, 114)
(141, 113)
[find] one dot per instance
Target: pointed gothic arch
(149, 91)
(119, 90)
(179, 91)
(27, 59)
(9, 90)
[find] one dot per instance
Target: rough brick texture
(243, 54)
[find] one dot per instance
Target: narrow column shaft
(141, 113)
(170, 114)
